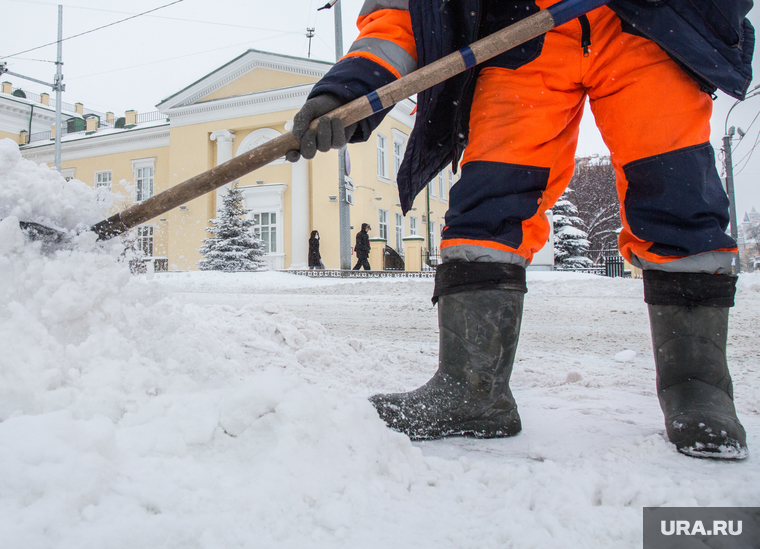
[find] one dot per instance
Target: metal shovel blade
(51, 239)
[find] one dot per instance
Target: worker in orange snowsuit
(649, 70)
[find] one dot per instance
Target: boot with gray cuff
(480, 308)
(688, 313)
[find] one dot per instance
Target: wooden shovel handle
(358, 109)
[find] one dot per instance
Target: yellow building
(237, 107)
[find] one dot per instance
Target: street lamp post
(728, 134)
(344, 207)
(730, 191)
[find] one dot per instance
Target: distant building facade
(749, 241)
(237, 107)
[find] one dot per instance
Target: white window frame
(413, 226)
(431, 188)
(382, 222)
(451, 179)
(432, 236)
(272, 229)
(144, 235)
(268, 198)
(104, 178)
(382, 157)
(140, 177)
(441, 187)
(399, 148)
(399, 233)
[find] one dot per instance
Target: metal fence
(392, 260)
(431, 258)
(26, 94)
(41, 136)
(611, 266)
(153, 116)
(64, 106)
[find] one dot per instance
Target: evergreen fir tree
(570, 240)
(233, 246)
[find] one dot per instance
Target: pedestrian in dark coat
(315, 259)
(362, 248)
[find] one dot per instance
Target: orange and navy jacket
(711, 40)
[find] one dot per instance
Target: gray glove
(330, 132)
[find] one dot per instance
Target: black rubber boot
(479, 313)
(688, 313)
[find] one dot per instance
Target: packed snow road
(593, 450)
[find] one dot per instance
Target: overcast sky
(137, 63)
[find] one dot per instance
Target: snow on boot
(688, 313)
(479, 312)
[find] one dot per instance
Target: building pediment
(251, 72)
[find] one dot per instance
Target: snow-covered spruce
(233, 247)
(570, 240)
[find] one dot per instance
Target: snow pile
(128, 419)
(207, 410)
(43, 196)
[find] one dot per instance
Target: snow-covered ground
(210, 410)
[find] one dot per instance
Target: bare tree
(596, 198)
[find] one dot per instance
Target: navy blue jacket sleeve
(353, 77)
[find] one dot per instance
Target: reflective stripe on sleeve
(390, 52)
(375, 5)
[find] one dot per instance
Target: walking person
(315, 259)
(649, 70)
(362, 248)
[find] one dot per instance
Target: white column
(223, 140)
(299, 214)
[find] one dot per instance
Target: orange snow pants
(523, 134)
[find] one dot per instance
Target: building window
(431, 187)
(383, 223)
(382, 158)
(265, 229)
(399, 144)
(451, 179)
(103, 179)
(441, 187)
(399, 233)
(413, 226)
(144, 240)
(144, 169)
(144, 183)
(432, 235)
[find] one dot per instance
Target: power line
(174, 58)
(747, 131)
(38, 60)
(247, 27)
(748, 156)
(93, 30)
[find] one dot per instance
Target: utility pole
(309, 35)
(730, 191)
(344, 208)
(58, 87)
